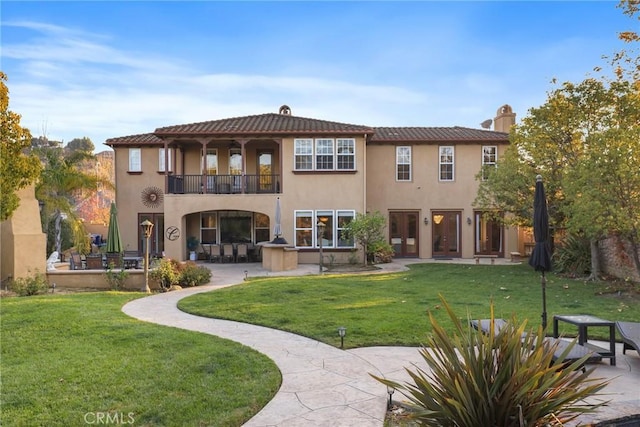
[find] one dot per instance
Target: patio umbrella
(540, 258)
(114, 241)
(277, 228)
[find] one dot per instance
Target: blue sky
(109, 69)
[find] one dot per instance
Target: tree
(18, 169)
(61, 180)
(582, 142)
(367, 230)
(81, 144)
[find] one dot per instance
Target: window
(325, 154)
(489, 159)
(446, 164)
(304, 228)
(303, 154)
(235, 161)
(334, 233)
(326, 217)
(343, 220)
(346, 154)
(161, 159)
(261, 225)
(212, 161)
(135, 161)
(208, 227)
(403, 163)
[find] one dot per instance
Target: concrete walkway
(325, 386)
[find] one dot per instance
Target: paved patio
(325, 386)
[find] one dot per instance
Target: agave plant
(504, 379)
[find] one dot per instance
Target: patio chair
(215, 255)
(75, 262)
(114, 260)
(630, 333)
(227, 253)
(94, 262)
(242, 252)
(577, 351)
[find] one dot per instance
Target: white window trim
(135, 160)
(314, 154)
(398, 149)
(352, 155)
(485, 164)
(161, 158)
(315, 215)
(441, 163)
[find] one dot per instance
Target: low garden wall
(96, 279)
(617, 259)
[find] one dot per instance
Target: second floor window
(324, 154)
(489, 159)
(403, 163)
(446, 163)
(162, 158)
(212, 161)
(135, 161)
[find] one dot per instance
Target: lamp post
(147, 226)
(321, 227)
(342, 331)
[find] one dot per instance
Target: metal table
(583, 322)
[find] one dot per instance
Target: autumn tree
(18, 168)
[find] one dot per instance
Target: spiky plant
(504, 379)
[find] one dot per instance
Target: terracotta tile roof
(140, 139)
(436, 135)
(283, 124)
(271, 124)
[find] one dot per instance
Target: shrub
(192, 274)
(506, 379)
(30, 285)
(116, 277)
(381, 252)
(166, 273)
(573, 256)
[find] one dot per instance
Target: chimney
(505, 118)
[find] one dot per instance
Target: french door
(488, 236)
(446, 229)
(156, 241)
(403, 228)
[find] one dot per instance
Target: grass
(391, 309)
(70, 359)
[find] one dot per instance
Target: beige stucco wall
(306, 191)
(23, 245)
(425, 193)
(95, 279)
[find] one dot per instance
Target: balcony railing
(223, 184)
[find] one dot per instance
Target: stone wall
(617, 259)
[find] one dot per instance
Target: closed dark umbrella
(540, 258)
(114, 241)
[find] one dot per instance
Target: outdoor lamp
(147, 227)
(426, 220)
(342, 331)
(390, 392)
(321, 227)
(469, 221)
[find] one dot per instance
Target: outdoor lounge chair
(214, 253)
(94, 262)
(577, 351)
(630, 333)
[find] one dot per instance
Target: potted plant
(192, 245)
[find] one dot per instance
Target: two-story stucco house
(220, 181)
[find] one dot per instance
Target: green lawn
(69, 359)
(392, 309)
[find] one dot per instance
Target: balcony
(223, 184)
